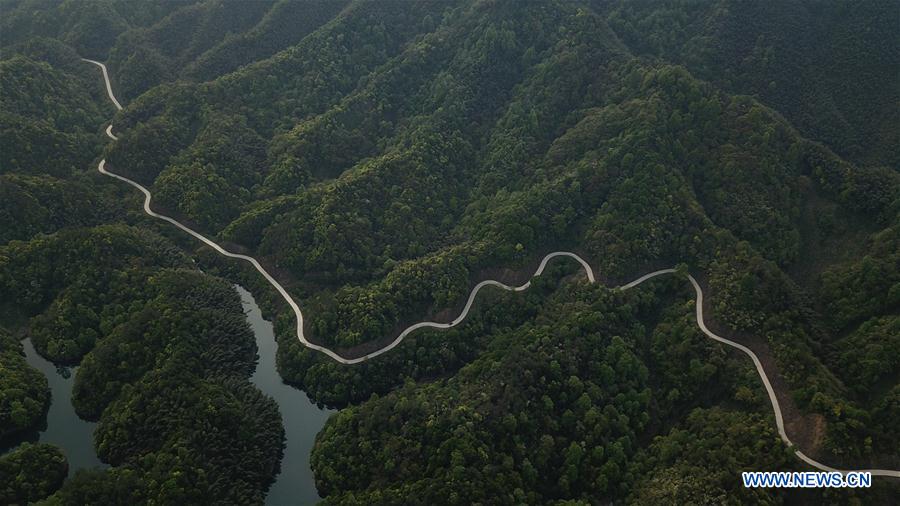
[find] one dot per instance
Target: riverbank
(302, 419)
(64, 429)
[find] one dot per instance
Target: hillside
(381, 158)
(829, 67)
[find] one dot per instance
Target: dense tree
(145, 334)
(380, 158)
(49, 118)
(798, 58)
(31, 472)
(24, 393)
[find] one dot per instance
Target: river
(64, 428)
(302, 419)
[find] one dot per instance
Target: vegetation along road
(779, 420)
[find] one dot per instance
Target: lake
(302, 419)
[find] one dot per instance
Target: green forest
(380, 159)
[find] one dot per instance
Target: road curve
(779, 420)
(108, 87)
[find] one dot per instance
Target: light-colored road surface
(779, 421)
(108, 89)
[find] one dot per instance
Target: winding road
(779, 420)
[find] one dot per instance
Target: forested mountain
(25, 395)
(165, 355)
(830, 67)
(380, 158)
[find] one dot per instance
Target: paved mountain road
(779, 420)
